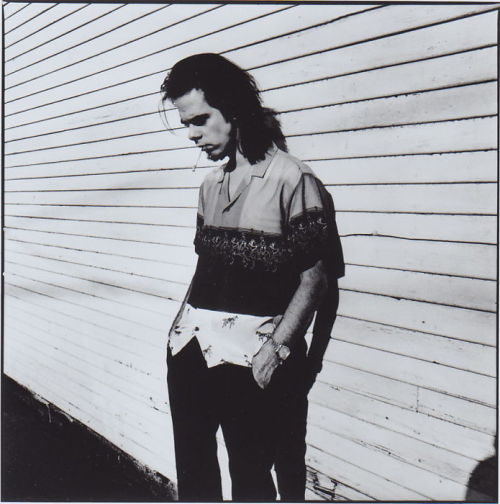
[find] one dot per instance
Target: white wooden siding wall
(393, 106)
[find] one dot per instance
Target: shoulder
(213, 176)
(288, 169)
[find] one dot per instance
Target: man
(268, 257)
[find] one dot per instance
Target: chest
(252, 203)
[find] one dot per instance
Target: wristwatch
(282, 351)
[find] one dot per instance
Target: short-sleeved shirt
(252, 248)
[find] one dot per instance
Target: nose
(194, 133)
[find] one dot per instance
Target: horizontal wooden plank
(63, 364)
(437, 432)
(35, 46)
(24, 369)
(11, 8)
(22, 372)
(458, 323)
(439, 72)
(24, 17)
(109, 31)
(461, 292)
(461, 259)
(418, 198)
(147, 197)
(160, 248)
(458, 354)
(101, 331)
(20, 39)
(142, 161)
(131, 232)
(470, 260)
(381, 112)
(462, 228)
(122, 303)
(444, 71)
(379, 23)
(100, 309)
(134, 388)
(471, 134)
(427, 375)
(456, 103)
(148, 216)
(120, 349)
(461, 167)
(317, 482)
(113, 67)
(464, 167)
(446, 38)
(449, 352)
(439, 462)
(90, 413)
(459, 135)
(477, 198)
(173, 178)
(344, 469)
(87, 39)
(365, 383)
(453, 228)
(440, 289)
(156, 252)
(448, 104)
(458, 411)
(126, 47)
(157, 138)
(25, 39)
(352, 459)
(131, 274)
(392, 19)
(470, 33)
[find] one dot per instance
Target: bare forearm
(301, 308)
(325, 319)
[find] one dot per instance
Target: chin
(216, 156)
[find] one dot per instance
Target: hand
(264, 362)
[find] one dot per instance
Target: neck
(237, 160)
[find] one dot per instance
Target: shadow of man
(483, 482)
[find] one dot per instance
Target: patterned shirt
(253, 247)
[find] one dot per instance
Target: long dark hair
(233, 91)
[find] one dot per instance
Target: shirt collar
(259, 169)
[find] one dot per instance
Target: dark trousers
(253, 422)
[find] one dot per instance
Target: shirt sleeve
(312, 231)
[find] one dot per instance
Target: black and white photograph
(250, 251)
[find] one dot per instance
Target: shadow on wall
(483, 482)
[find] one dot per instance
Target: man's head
(208, 87)
(207, 127)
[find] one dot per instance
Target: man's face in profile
(207, 127)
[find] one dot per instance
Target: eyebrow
(186, 122)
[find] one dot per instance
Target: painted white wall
(395, 109)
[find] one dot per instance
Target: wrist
(280, 350)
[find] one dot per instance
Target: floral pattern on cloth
(247, 249)
(305, 238)
(223, 337)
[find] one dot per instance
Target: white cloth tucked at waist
(223, 337)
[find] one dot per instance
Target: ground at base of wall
(48, 457)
